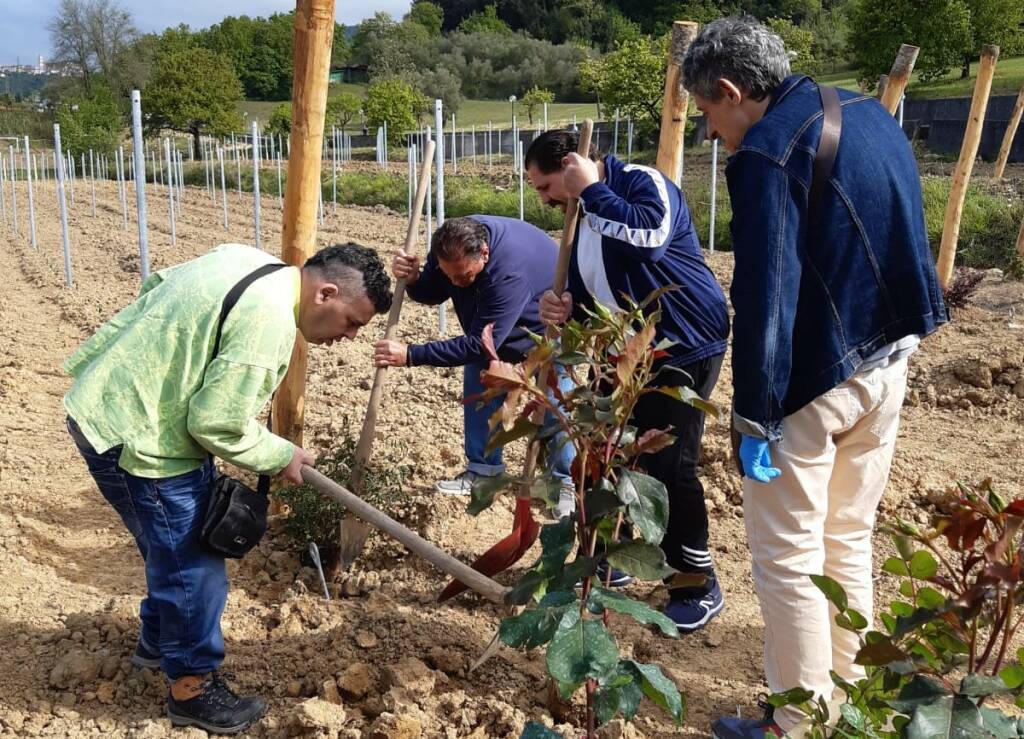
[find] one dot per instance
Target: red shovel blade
(506, 552)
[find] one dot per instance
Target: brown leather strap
(828, 145)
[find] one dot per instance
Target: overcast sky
(23, 22)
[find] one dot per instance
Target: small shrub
(961, 290)
(315, 517)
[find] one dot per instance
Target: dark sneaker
(619, 579)
(730, 727)
(145, 658)
(693, 608)
(215, 708)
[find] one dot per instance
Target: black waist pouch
(236, 517)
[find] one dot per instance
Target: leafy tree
(342, 109)
(439, 83)
(631, 78)
(396, 102)
(535, 98)
(998, 22)
(485, 21)
(341, 49)
(280, 121)
(260, 50)
(799, 44)
(194, 91)
(830, 30)
(386, 47)
(427, 14)
(91, 120)
(877, 28)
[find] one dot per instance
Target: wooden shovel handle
(370, 419)
(419, 546)
(571, 216)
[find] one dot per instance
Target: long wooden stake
(419, 546)
(353, 532)
(314, 34)
(899, 76)
(962, 174)
(675, 103)
(1020, 241)
(1011, 130)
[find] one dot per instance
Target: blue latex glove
(757, 459)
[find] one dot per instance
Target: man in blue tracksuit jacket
(829, 304)
(493, 269)
(635, 236)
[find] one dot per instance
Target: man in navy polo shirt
(494, 270)
(635, 236)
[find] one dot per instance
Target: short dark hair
(739, 49)
(458, 238)
(547, 151)
(351, 267)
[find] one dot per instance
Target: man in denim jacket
(826, 315)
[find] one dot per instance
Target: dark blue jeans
(187, 587)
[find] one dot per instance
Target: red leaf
(487, 339)
(654, 440)
(502, 376)
(1016, 508)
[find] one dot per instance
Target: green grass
(1008, 80)
(470, 113)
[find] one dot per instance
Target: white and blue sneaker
(692, 608)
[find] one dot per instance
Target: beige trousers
(817, 517)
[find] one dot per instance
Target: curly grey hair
(738, 49)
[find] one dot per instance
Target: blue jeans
(476, 432)
(187, 587)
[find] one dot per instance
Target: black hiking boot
(214, 707)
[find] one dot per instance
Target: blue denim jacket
(811, 305)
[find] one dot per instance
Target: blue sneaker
(619, 579)
(693, 608)
(731, 727)
(144, 658)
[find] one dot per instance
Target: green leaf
(918, 617)
(606, 705)
(879, 654)
(999, 725)
(642, 560)
(522, 427)
(575, 571)
(601, 500)
(1013, 676)
(854, 717)
(948, 716)
(484, 489)
(920, 691)
(976, 686)
(851, 620)
(647, 502)
(923, 565)
(904, 545)
(791, 697)
(832, 590)
(534, 730)
(641, 612)
(523, 590)
(930, 598)
(536, 626)
(546, 488)
(556, 541)
(660, 690)
(581, 648)
(896, 566)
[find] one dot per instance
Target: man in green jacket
(153, 403)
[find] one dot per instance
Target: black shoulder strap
(236, 292)
(828, 145)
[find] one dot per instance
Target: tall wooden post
(675, 103)
(899, 76)
(1020, 241)
(962, 174)
(314, 35)
(1011, 130)
(883, 82)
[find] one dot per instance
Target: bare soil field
(381, 658)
